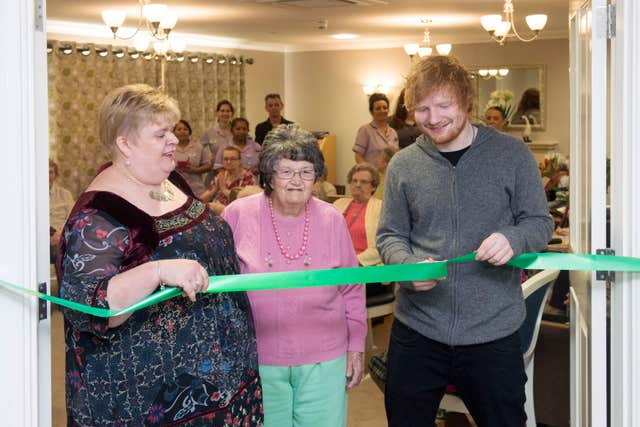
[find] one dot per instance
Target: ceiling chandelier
(424, 48)
(499, 26)
(158, 21)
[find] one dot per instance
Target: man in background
(459, 188)
(273, 104)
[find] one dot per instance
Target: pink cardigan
(299, 326)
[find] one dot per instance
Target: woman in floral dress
(188, 361)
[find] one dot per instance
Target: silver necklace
(164, 195)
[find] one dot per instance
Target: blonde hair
(435, 73)
(127, 109)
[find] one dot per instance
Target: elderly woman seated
(233, 175)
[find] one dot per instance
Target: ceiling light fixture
(344, 36)
(500, 26)
(498, 74)
(156, 18)
(424, 48)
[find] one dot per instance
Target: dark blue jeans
(489, 378)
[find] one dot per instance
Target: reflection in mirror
(517, 90)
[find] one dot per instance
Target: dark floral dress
(174, 363)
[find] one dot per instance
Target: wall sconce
(375, 88)
(498, 74)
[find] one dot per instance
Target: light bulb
(536, 22)
(503, 28)
(154, 12)
(490, 22)
(114, 18)
(424, 51)
(411, 48)
(503, 72)
(443, 48)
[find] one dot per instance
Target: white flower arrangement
(502, 100)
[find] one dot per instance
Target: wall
(324, 89)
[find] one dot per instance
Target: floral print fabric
(174, 363)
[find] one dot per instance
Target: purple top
(248, 155)
(370, 141)
(308, 325)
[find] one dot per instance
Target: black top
(262, 129)
(454, 156)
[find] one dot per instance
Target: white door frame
(25, 355)
(588, 38)
(625, 214)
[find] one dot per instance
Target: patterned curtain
(81, 75)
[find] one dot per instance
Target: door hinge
(38, 18)
(611, 21)
(609, 276)
(42, 304)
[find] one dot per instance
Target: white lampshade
(114, 18)
(141, 42)
(178, 45)
(169, 20)
(493, 72)
(490, 22)
(503, 72)
(536, 22)
(161, 47)
(411, 48)
(154, 12)
(502, 29)
(483, 73)
(368, 89)
(443, 48)
(424, 51)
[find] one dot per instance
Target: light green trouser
(305, 396)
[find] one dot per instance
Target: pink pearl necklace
(305, 234)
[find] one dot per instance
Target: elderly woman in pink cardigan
(310, 340)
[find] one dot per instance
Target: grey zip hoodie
(433, 209)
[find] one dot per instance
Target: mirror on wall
(517, 89)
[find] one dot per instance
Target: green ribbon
(345, 276)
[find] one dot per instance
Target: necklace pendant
(307, 260)
(165, 195)
(268, 260)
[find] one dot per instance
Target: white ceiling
(292, 25)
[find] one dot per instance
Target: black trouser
(489, 378)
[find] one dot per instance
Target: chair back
(535, 292)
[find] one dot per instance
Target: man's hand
(425, 285)
(495, 249)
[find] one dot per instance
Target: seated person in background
(192, 158)
(376, 135)
(322, 189)
(60, 204)
(383, 161)
(528, 106)
(362, 212)
(404, 124)
(249, 149)
(494, 117)
(232, 175)
(557, 188)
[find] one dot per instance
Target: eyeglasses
(305, 174)
(360, 181)
(230, 159)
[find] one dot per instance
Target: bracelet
(162, 284)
